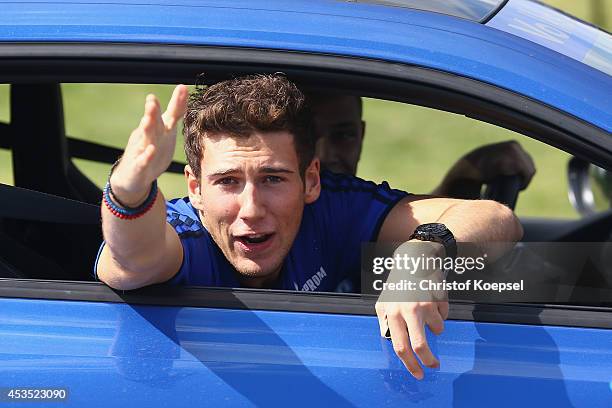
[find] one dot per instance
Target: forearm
(143, 250)
(134, 244)
(139, 252)
(491, 226)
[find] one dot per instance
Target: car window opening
(36, 249)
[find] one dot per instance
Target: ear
(193, 188)
(312, 181)
(363, 128)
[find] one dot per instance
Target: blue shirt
(326, 251)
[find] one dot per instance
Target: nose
(252, 206)
(330, 156)
(325, 149)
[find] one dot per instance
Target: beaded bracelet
(124, 212)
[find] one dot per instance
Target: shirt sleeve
(182, 217)
(95, 268)
(354, 211)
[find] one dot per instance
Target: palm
(155, 147)
(151, 145)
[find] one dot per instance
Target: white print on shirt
(313, 282)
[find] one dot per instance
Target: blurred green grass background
(409, 146)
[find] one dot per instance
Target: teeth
(257, 238)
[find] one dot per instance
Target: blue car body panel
(401, 35)
(566, 35)
(112, 354)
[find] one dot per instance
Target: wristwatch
(436, 232)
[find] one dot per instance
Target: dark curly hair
(241, 106)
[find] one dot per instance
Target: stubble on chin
(250, 270)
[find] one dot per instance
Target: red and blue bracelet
(124, 212)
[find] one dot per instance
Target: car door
(248, 348)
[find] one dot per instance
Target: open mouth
(254, 241)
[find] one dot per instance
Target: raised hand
(482, 165)
(150, 148)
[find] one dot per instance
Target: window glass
(413, 147)
(5, 103)
(475, 10)
(6, 174)
(409, 146)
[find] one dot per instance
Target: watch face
(434, 228)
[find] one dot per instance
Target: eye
(344, 136)
(226, 181)
(273, 179)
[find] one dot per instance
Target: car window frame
(296, 301)
(125, 63)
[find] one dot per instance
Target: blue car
(68, 340)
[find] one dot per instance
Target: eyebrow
(343, 125)
(266, 170)
(276, 170)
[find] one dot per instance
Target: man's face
(251, 198)
(340, 130)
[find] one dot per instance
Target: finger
(418, 341)
(151, 119)
(438, 295)
(435, 323)
(382, 319)
(443, 309)
(176, 107)
(148, 118)
(401, 345)
(152, 106)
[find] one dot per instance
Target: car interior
(49, 218)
